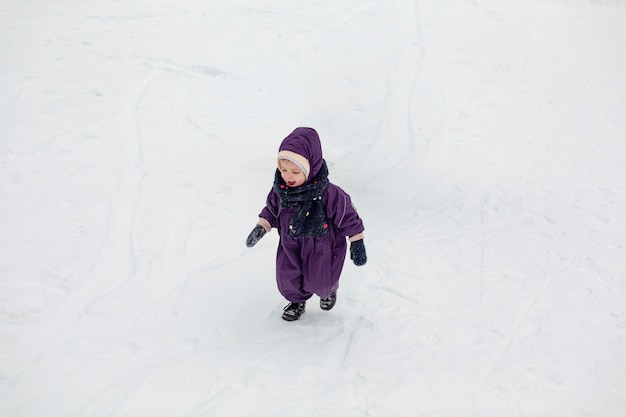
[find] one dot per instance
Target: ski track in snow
(483, 144)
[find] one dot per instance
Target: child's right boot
(293, 311)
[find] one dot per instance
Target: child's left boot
(328, 303)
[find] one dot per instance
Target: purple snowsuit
(310, 265)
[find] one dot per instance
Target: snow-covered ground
(483, 142)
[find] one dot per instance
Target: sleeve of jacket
(341, 212)
(270, 211)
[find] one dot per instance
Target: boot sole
(290, 318)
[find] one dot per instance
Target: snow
(482, 141)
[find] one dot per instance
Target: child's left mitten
(357, 252)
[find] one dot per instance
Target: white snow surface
(483, 143)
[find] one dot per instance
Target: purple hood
(306, 142)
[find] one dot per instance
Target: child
(313, 218)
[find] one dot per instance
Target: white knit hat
(297, 159)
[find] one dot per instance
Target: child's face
(291, 173)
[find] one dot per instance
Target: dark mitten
(255, 235)
(357, 252)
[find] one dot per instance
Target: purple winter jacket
(311, 265)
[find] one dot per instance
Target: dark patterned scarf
(309, 218)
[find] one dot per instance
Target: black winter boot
(328, 303)
(293, 311)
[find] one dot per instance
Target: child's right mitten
(255, 235)
(357, 252)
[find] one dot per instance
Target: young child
(313, 218)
